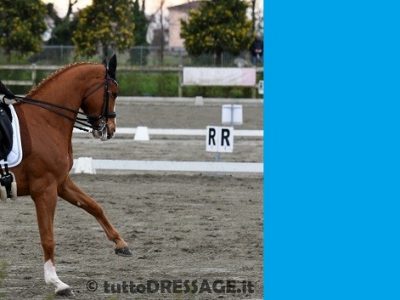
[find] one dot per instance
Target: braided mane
(56, 73)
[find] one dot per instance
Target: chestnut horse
(47, 117)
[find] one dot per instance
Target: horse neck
(66, 89)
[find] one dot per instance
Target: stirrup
(8, 186)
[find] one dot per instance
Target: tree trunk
(105, 49)
(71, 3)
(253, 15)
(162, 33)
(218, 58)
(8, 56)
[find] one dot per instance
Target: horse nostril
(110, 131)
(110, 135)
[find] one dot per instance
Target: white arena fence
(88, 165)
(178, 132)
(199, 100)
(170, 100)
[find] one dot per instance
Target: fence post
(254, 92)
(180, 75)
(33, 74)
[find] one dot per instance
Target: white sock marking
(50, 277)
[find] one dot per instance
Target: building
(176, 14)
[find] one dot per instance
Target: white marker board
(219, 139)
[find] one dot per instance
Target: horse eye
(114, 95)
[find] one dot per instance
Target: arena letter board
(219, 139)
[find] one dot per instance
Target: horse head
(99, 103)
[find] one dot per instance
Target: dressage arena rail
(179, 132)
(88, 165)
(188, 100)
(166, 100)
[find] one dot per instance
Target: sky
(151, 5)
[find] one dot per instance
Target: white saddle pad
(15, 156)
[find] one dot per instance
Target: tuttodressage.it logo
(178, 286)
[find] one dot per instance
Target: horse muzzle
(102, 131)
(100, 134)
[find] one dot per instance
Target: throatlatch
(8, 185)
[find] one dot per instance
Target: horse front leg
(45, 202)
(70, 192)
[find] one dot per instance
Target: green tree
(103, 26)
(21, 26)
(62, 32)
(141, 23)
(138, 56)
(217, 26)
(63, 27)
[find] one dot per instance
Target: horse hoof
(123, 252)
(65, 293)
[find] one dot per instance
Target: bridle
(87, 121)
(105, 114)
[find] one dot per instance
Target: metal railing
(136, 56)
(34, 69)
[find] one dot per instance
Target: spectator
(256, 50)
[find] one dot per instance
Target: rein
(87, 120)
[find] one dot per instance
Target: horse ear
(112, 67)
